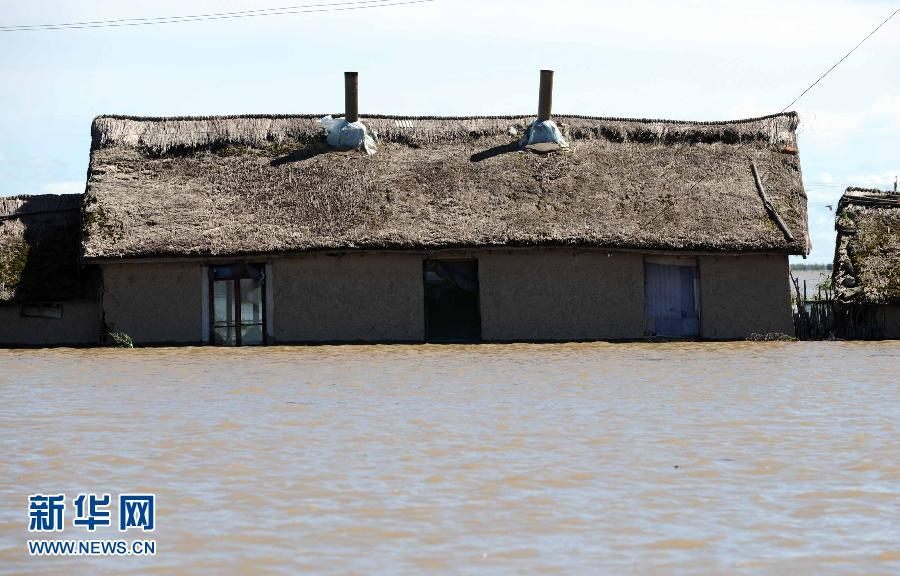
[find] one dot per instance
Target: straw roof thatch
(867, 255)
(270, 184)
(39, 245)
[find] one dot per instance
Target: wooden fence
(821, 317)
(814, 318)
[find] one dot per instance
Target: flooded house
(249, 230)
(46, 298)
(866, 271)
(243, 230)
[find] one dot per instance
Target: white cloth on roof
(349, 135)
(544, 137)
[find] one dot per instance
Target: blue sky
(694, 60)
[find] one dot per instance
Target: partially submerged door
(237, 301)
(671, 301)
(452, 311)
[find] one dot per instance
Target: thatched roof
(39, 245)
(270, 184)
(867, 254)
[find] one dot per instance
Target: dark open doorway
(452, 312)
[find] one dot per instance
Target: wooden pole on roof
(351, 96)
(545, 102)
(770, 208)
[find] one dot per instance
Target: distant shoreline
(811, 267)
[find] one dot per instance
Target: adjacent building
(866, 272)
(46, 297)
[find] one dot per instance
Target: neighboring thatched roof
(265, 184)
(39, 244)
(867, 254)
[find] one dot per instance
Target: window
(237, 301)
(41, 311)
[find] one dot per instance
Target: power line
(166, 19)
(838, 63)
(810, 87)
(284, 10)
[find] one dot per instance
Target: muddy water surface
(740, 458)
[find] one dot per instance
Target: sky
(689, 60)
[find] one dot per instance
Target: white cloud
(887, 107)
(70, 187)
(45, 163)
(834, 126)
(786, 27)
(813, 25)
(831, 127)
(821, 195)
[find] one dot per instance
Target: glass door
(237, 301)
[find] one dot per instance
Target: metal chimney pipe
(545, 103)
(351, 96)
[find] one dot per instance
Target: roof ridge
(870, 190)
(790, 114)
(869, 197)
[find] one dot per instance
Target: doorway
(237, 302)
(671, 297)
(452, 308)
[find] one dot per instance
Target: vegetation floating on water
(770, 337)
(121, 340)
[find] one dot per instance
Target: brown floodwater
(739, 458)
